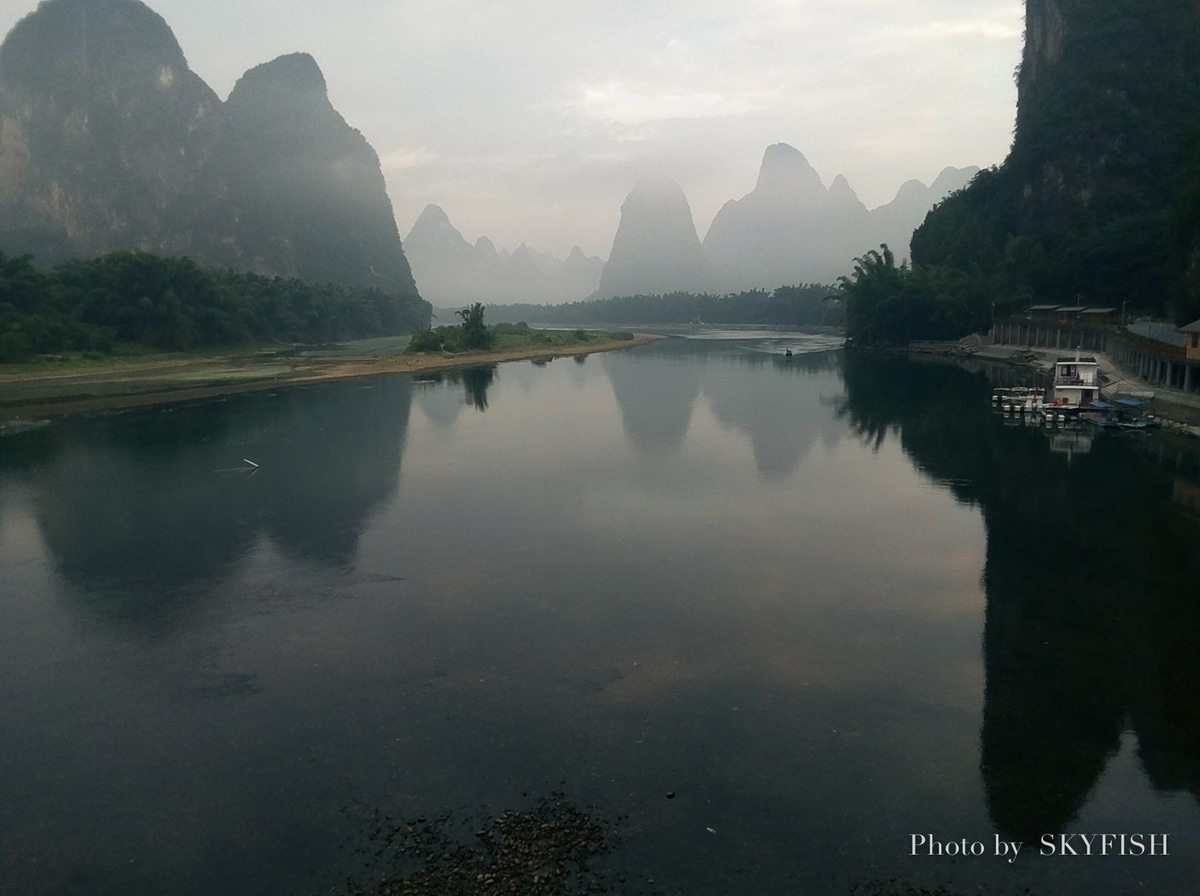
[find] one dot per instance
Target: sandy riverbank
(35, 392)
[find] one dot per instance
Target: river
(789, 625)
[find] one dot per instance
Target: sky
(531, 120)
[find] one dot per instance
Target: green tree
(871, 295)
(475, 333)
(890, 304)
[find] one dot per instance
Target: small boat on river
(1076, 382)
(1124, 415)
(1018, 399)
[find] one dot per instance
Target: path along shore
(1179, 409)
(37, 392)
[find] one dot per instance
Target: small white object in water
(247, 460)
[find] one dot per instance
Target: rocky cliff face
(1107, 101)
(1107, 96)
(108, 141)
(656, 249)
(324, 175)
(1045, 34)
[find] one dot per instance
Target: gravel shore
(37, 392)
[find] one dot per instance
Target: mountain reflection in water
(1093, 620)
(827, 603)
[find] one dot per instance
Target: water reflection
(655, 391)
(1091, 630)
(137, 513)
(476, 381)
(442, 405)
(782, 421)
(748, 390)
(790, 639)
(1092, 625)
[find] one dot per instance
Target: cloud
(633, 103)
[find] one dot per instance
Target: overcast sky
(530, 120)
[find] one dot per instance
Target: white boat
(1053, 416)
(1076, 382)
(1018, 399)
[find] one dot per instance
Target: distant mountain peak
(842, 194)
(112, 143)
(451, 271)
(910, 190)
(432, 213)
(89, 41)
(656, 189)
(791, 229)
(433, 221)
(784, 168)
(656, 248)
(295, 72)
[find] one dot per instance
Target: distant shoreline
(1180, 408)
(34, 393)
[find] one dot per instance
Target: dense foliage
(475, 333)
(805, 305)
(471, 334)
(1082, 210)
(173, 304)
(886, 304)
(1185, 243)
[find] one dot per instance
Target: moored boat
(1018, 399)
(1124, 415)
(1076, 382)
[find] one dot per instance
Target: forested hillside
(805, 305)
(172, 303)
(1091, 205)
(109, 142)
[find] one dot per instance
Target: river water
(790, 626)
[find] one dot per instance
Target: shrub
(425, 341)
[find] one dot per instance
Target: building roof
(1193, 327)
(1159, 331)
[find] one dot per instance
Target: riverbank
(40, 391)
(1180, 410)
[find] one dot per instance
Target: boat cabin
(1076, 382)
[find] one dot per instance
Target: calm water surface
(830, 603)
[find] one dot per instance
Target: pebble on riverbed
(547, 851)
